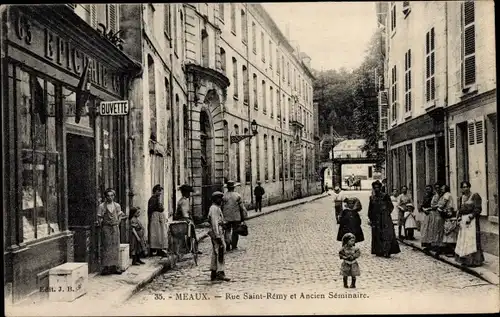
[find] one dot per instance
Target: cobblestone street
(295, 252)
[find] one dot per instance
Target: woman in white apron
(468, 250)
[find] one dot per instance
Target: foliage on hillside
(348, 100)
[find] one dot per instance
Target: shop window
(36, 103)
(237, 153)
(69, 104)
(257, 156)
(248, 168)
(273, 153)
(291, 156)
(266, 158)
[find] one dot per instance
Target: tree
(365, 114)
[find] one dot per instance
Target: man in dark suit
(258, 192)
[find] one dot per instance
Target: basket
(178, 228)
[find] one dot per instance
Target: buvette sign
(113, 108)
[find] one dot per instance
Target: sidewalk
(488, 271)
(104, 292)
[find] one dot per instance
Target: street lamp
(239, 138)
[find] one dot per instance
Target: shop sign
(113, 108)
(60, 51)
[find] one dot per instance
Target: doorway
(82, 199)
(462, 153)
(206, 163)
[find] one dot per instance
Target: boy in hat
(216, 233)
(234, 213)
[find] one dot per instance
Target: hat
(157, 187)
(410, 205)
(217, 194)
(186, 188)
(230, 184)
(259, 182)
(337, 187)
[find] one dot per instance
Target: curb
(485, 276)
(173, 259)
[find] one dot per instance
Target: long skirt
(110, 245)
(137, 247)
(217, 260)
(158, 231)
(433, 230)
(475, 258)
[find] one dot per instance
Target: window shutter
(93, 15)
(469, 44)
(452, 138)
(72, 5)
(471, 133)
(479, 132)
(167, 19)
(113, 18)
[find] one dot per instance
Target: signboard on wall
(114, 108)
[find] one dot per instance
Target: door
(82, 199)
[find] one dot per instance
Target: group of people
(383, 242)
(444, 229)
(226, 218)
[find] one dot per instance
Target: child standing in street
(137, 243)
(410, 222)
(216, 234)
(349, 254)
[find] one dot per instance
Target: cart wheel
(194, 250)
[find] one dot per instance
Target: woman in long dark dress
(384, 241)
(350, 221)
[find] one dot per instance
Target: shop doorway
(82, 199)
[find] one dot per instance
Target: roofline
(282, 38)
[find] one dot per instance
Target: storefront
(473, 148)
(416, 153)
(59, 154)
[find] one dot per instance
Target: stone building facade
(439, 101)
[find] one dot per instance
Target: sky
(333, 34)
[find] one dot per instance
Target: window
(237, 152)
(226, 150)
(285, 158)
(283, 66)
(273, 153)
(233, 18)
(280, 156)
(264, 106)
(255, 100)
(185, 139)
(468, 44)
(288, 72)
(235, 78)
(152, 97)
(271, 102)
(176, 31)
(221, 11)
(266, 158)
(167, 18)
(257, 156)
(393, 17)
(278, 103)
(262, 46)
(181, 38)
(205, 61)
(246, 92)
(290, 156)
(430, 85)
(248, 167)
(408, 81)
(40, 153)
(288, 110)
(112, 17)
(244, 27)
(277, 62)
(223, 60)
(270, 54)
(394, 93)
(254, 39)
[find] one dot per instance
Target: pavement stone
(294, 252)
(112, 290)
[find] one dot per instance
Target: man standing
(183, 210)
(234, 212)
(258, 192)
(338, 200)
